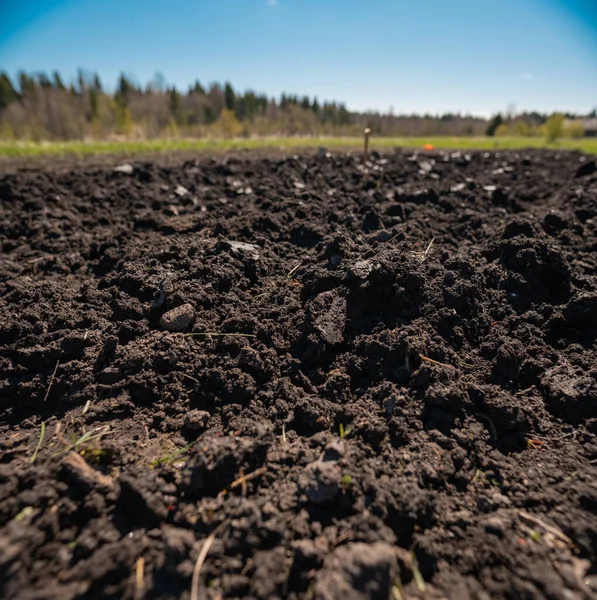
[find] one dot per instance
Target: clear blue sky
(433, 56)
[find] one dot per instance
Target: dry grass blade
(39, 443)
(433, 362)
(217, 334)
(417, 574)
(244, 478)
(201, 559)
(51, 380)
(293, 270)
(397, 592)
(428, 249)
(92, 435)
(140, 576)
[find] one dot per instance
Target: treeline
(535, 124)
(43, 107)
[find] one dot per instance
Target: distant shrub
(124, 121)
(502, 131)
(521, 127)
(228, 125)
(554, 127)
(6, 131)
(574, 130)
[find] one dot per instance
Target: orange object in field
(428, 147)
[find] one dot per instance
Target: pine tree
(123, 92)
(7, 92)
(494, 124)
(198, 88)
(27, 85)
(58, 83)
(175, 105)
(44, 81)
(229, 97)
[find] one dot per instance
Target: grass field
(26, 149)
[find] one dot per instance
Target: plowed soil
(300, 377)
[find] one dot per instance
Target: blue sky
(477, 56)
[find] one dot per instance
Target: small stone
(425, 166)
(178, 318)
(361, 269)
(244, 247)
(335, 260)
(251, 250)
(495, 525)
(126, 169)
(329, 316)
(490, 188)
(196, 420)
(181, 191)
(458, 187)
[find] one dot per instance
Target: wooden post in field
(366, 151)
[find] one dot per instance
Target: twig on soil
(51, 380)
(528, 518)
(242, 480)
(535, 444)
(39, 443)
(140, 575)
(423, 255)
(86, 407)
(217, 334)
(191, 378)
(434, 362)
(284, 434)
(293, 270)
(428, 249)
(200, 560)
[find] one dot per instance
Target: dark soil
(390, 390)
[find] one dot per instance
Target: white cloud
(526, 76)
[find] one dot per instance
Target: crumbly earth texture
(300, 377)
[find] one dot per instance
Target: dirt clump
(366, 381)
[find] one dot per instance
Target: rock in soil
(394, 388)
(178, 318)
